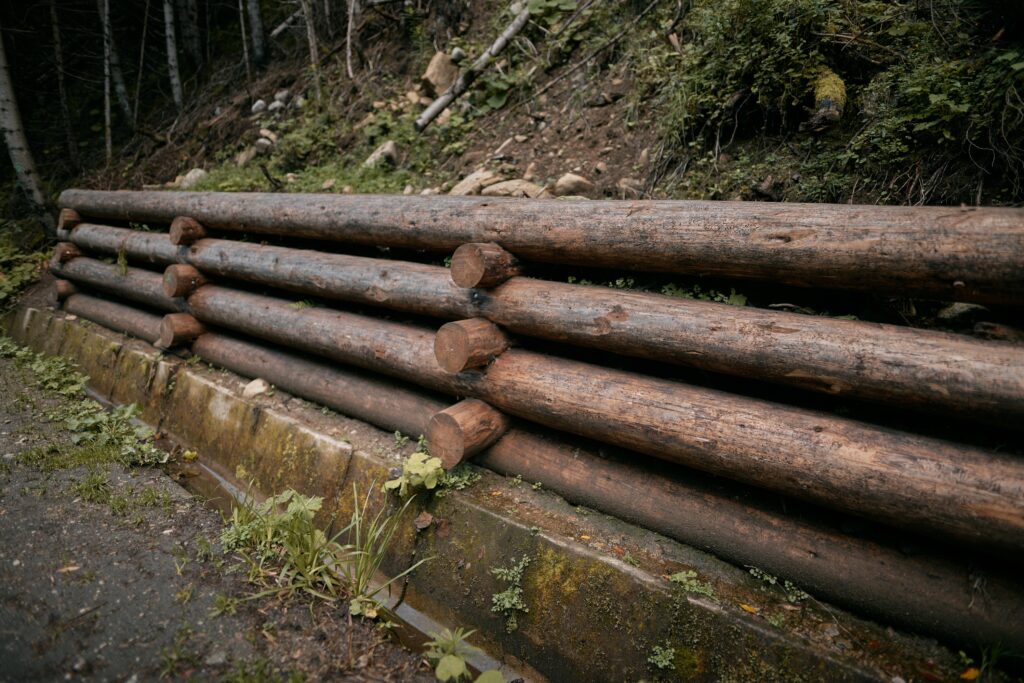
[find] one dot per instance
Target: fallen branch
(467, 77)
(286, 23)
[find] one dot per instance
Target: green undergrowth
(96, 435)
(20, 266)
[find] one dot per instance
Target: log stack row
(478, 387)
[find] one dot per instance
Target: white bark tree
(259, 41)
(314, 46)
(172, 55)
(62, 94)
(17, 143)
(110, 55)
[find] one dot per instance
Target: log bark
(921, 590)
(181, 280)
(960, 253)
(939, 487)
(114, 316)
(482, 265)
(177, 329)
(64, 289)
(909, 368)
(259, 50)
(68, 220)
(135, 284)
(467, 344)
(185, 231)
(458, 433)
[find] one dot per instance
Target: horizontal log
(909, 368)
(65, 252)
(114, 316)
(961, 253)
(921, 591)
(177, 329)
(463, 430)
(135, 284)
(482, 265)
(68, 219)
(139, 247)
(904, 479)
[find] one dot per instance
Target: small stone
(431, 191)
(275, 106)
(475, 182)
(192, 178)
(216, 658)
(572, 184)
(413, 96)
(531, 171)
(245, 156)
(259, 106)
(514, 188)
(290, 177)
(348, 189)
(645, 157)
(440, 74)
(328, 184)
(263, 145)
(600, 167)
(408, 189)
(521, 138)
(268, 134)
(458, 54)
(385, 154)
(282, 96)
(256, 388)
(423, 520)
(426, 102)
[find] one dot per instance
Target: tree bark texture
(135, 284)
(173, 72)
(115, 316)
(957, 253)
(259, 41)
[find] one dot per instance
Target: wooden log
(921, 589)
(115, 316)
(482, 265)
(463, 430)
(961, 253)
(139, 247)
(134, 284)
(181, 280)
(177, 329)
(467, 344)
(908, 368)
(65, 252)
(186, 231)
(64, 289)
(68, 219)
(938, 487)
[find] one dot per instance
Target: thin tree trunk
(314, 49)
(17, 144)
(348, 37)
(245, 48)
(142, 62)
(259, 41)
(111, 56)
(172, 55)
(65, 110)
(105, 21)
(188, 21)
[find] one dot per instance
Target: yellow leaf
(970, 674)
(749, 608)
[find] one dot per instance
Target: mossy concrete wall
(596, 589)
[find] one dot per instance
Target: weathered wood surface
(482, 265)
(150, 248)
(919, 590)
(181, 279)
(961, 253)
(64, 289)
(177, 329)
(66, 251)
(466, 344)
(115, 316)
(135, 284)
(461, 431)
(185, 231)
(908, 480)
(906, 367)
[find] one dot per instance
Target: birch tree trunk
(65, 110)
(314, 48)
(245, 48)
(17, 144)
(259, 41)
(108, 142)
(142, 63)
(172, 55)
(110, 55)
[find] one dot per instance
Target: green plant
(448, 652)
(419, 471)
(788, 588)
(94, 488)
(691, 584)
(460, 477)
(663, 657)
(510, 601)
(19, 268)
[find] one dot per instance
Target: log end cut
(466, 344)
(482, 265)
(463, 430)
(185, 231)
(177, 329)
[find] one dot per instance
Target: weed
(400, 439)
(419, 471)
(448, 652)
(204, 551)
(630, 560)
(94, 488)
(223, 604)
(663, 657)
(185, 594)
(790, 590)
(510, 601)
(18, 269)
(175, 656)
(460, 477)
(691, 584)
